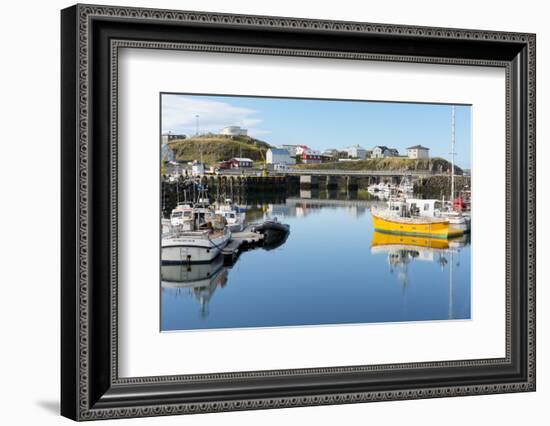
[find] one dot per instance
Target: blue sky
(323, 124)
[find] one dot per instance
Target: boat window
(176, 214)
(187, 213)
(426, 207)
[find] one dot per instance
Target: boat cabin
(415, 207)
(182, 213)
(424, 208)
(398, 208)
(230, 215)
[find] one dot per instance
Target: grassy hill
(392, 163)
(216, 148)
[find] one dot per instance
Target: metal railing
(312, 172)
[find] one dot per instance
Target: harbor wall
(237, 188)
(440, 186)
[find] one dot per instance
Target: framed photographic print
(263, 212)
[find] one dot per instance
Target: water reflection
(402, 250)
(198, 281)
(331, 269)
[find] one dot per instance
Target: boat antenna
(452, 154)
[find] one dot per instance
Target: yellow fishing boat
(403, 219)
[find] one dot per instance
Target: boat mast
(450, 313)
(453, 154)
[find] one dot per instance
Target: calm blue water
(327, 272)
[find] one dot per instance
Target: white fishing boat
(233, 216)
(200, 246)
(380, 189)
(182, 213)
(457, 219)
(385, 191)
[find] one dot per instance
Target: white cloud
(179, 116)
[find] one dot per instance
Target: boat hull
(187, 254)
(189, 250)
(430, 229)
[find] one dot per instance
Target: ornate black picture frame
(91, 37)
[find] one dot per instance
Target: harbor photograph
(281, 212)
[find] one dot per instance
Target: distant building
(381, 151)
(279, 167)
(310, 156)
(279, 156)
(225, 164)
(233, 131)
(328, 157)
(356, 151)
(291, 149)
(330, 152)
(418, 151)
(300, 149)
(166, 154)
(169, 137)
(241, 163)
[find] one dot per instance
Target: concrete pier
(309, 181)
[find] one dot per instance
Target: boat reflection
(197, 280)
(402, 250)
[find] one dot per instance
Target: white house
(418, 151)
(381, 151)
(356, 151)
(233, 131)
(279, 156)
